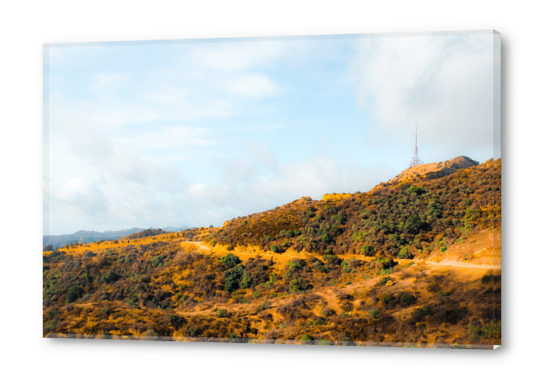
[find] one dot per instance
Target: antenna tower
(415, 161)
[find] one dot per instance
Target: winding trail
(464, 265)
(428, 262)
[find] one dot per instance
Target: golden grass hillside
(414, 264)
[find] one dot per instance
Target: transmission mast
(415, 161)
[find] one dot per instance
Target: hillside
(412, 263)
(407, 216)
(430, 171)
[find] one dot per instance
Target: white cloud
(168, 137)
(81, 196)
(224, 56)
(254, 85)
(110, 159)
(444, 83)
(106, 83)
(244, 189)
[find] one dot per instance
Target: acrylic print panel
(320, 190)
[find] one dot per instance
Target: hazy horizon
(200, 132)
(188, 226)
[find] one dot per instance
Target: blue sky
(196, 132)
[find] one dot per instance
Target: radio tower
(415, 161)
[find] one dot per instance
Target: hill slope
(301, 273)
(408, 215)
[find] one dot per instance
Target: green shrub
(306, 338)
(420, 313)
(374, 313)
(297, 285)
(358, 236)
(276, 249)
(175, 321)
(52, 313)
(74, 293)
(491, 330)
(443, 249)
(233, 276)
(416, 190)
(105, 310)
(109, 277)
(386, 271)
(221, 312)
(133, 300)
(319, 321)
(339, 218)
(294, 265)
(156, 260)
(407, 299)
(51, 325)
(192, 331)
(246, 282)
(368, 250)
(324, 342)
(404, 253)
(230, 260)
(414, 223)
(386, 299)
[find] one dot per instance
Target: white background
(25, 26)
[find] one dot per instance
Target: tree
(233, 276)
(374, 313)
(74, 293)
(368, 250)
(276, 249)
(230, 260)
(404, 253)
(414, 223)
(48, 248)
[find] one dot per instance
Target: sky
(197, 132)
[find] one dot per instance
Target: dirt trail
(200, 245)
(464, 265)
(401, 261)
(277, 256)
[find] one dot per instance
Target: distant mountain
(85, 236)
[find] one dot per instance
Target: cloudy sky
(196, 132)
